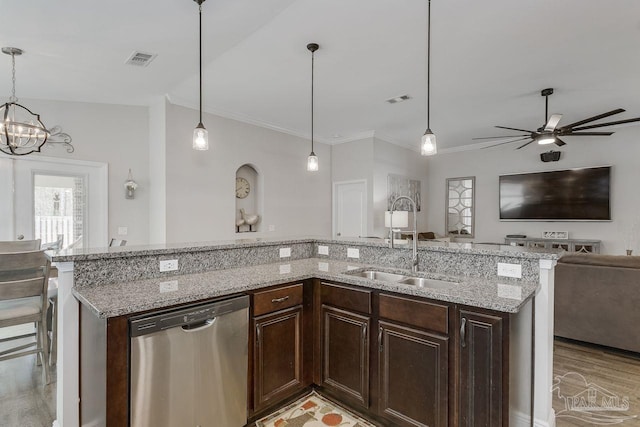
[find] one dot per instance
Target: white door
(55, 200)
(350, 208)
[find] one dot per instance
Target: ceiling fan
(550, 133)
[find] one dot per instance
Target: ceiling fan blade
(506, 142)
(599, 125)
(498, 137)
(524, 145)
(594, 118)
(519, 130)
(559, 142)
(552, 122)
(587, 134)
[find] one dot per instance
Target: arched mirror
(460, 218)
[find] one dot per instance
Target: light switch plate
(285, 252)
(510, 270)
(168, 265)
(323, 250)
(353, 253)
(272, 227)
(122, 231)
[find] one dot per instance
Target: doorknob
(338, 234)
(20, 236)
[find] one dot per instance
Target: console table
(569, 245)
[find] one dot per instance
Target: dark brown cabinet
(483, 393)
(345, 329)
(278, 345)
(413, 362)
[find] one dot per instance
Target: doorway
(60, 201)
(350, 208)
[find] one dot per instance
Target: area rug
(312, 411)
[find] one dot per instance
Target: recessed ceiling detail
(140, 59)
(397, 99)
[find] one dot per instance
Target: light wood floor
(618, 373)
(24, 400)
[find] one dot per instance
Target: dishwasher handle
(199, 326)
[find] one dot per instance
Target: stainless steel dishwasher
(189, 366)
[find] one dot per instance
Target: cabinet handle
(463, 332)
(364, 333)
(380, 345)
(258, 334)
(279, 300)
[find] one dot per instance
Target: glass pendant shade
(21, 131)
(546, 140)
(200, 138)
(312, 162)
(428, 146)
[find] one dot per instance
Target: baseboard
(550, 422)
(519, 419)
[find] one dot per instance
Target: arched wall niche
(252, 201)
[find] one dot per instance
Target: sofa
(597, 300)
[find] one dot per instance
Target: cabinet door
(277, 356)
(481, 367)
(413, 376)
(345, 354)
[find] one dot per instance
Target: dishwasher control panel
(187, 317)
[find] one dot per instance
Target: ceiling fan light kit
(550, 133)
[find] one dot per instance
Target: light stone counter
(117, 299)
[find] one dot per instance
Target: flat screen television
(563, 195)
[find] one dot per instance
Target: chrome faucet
(414, 262)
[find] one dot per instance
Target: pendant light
(200, 133)
(312, 160)
(21, 131)
(428, 146)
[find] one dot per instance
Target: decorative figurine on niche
(247, 219)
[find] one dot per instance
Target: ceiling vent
(140, 59)
(397, 99)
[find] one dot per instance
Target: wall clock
(242, 188)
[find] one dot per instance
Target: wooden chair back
(24, 274)
(19, 245)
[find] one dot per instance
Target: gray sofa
(597, 300)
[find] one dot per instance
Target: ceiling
(490, 60)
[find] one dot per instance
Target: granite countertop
(67, 255)
(117, 299)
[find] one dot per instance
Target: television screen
(574, 194)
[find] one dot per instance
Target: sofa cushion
(623, 261)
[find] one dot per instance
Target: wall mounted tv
(562, 195)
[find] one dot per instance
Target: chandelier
(21, 131)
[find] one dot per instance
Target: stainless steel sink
(380, 275)
(428, 283)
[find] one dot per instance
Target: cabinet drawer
(345, 297)
(425, 315)
(277, 299)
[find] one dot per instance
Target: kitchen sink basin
(427, 283)
(380, 275)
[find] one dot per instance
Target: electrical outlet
(170, 286)
(353, 253)
(272, 227)
(122, 231)
(168, 265)
(285, 269)
(285, 252)
(323, 250)
(510, 270)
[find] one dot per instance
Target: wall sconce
(130, 185)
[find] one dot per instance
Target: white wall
(114, 134)
(157, 171)
(200, 186)
(621, 151)
(392, 159)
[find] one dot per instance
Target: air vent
(140, 59)
(397, 99)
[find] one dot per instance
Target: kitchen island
(113, 284)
